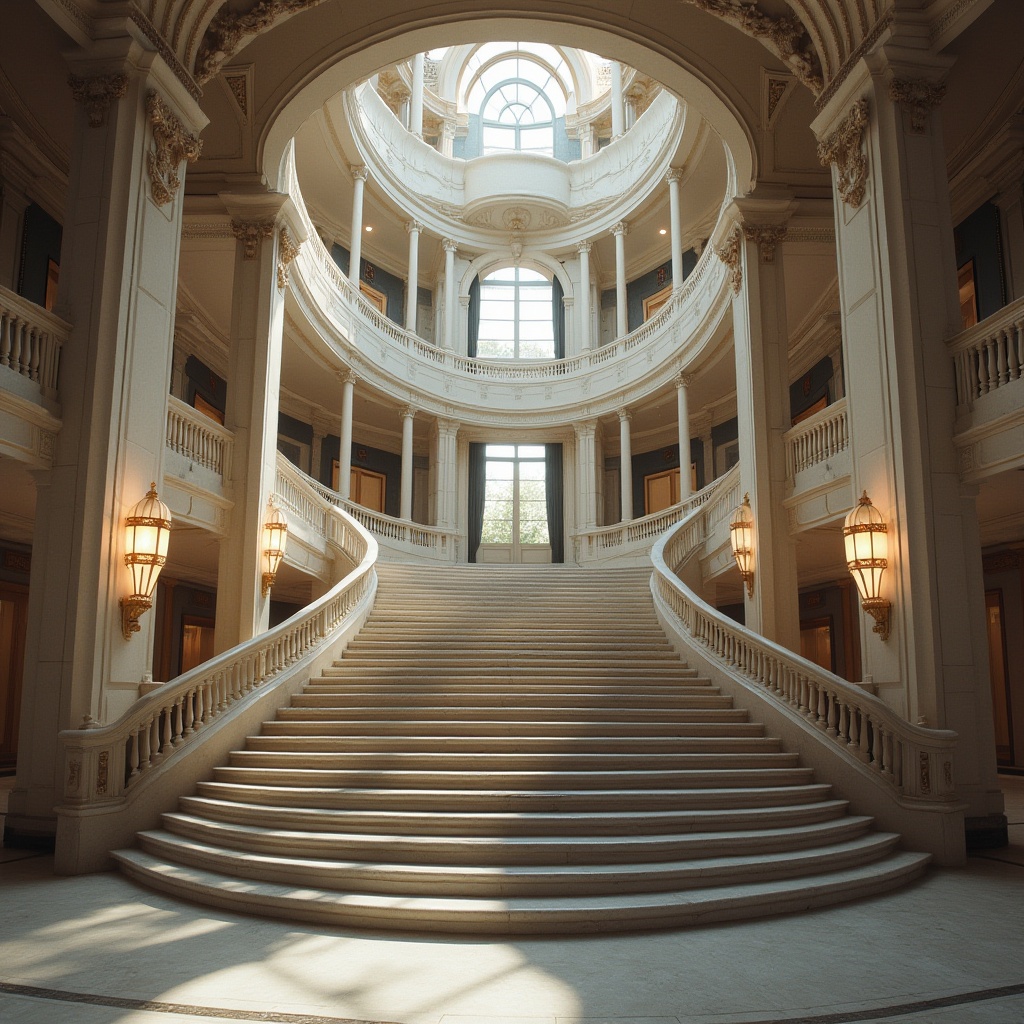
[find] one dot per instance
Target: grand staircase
(515, 751)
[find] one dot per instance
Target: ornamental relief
(729, 254)
(766, 238)
(97, 93)
(250, 234)
(287, 250)
(844, 148)
(173, 144)
(918, 98)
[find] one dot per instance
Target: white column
(348, 381)
(625, 467)
(673, 177)
(683, 417)
(618, 115)
(448, 137)
(621, 318)
(405, 506)
(359, 176)
(414, 227)
(446, 473)
(416, 102)
(586, 474)
(450, 315)
(583, 248)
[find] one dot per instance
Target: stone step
(502, 695)
(442, 730)
(464, 713)
(510, 915)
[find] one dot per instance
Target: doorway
(13, 622)
(515, 525)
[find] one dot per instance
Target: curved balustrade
(198, 438)
(913, 765)
(107, 767)
(989, 355)
(396, 536)
(31, 339)
(818, 438)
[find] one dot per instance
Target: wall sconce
(147, 531)
(275, 530)
(867, 550)
(741, 534)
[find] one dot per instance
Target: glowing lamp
(741, 534)
(147, 531)
(275, 531)
(867, 552)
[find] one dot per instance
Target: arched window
(516, 315)
(518, 116)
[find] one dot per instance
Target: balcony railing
(818, 438)
(31, 339)
(989, 355)
(198, 438)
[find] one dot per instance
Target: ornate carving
(926, 775)
(103, 772)
(97, 94)
(74, 774)
(766, 237)
(918, 98)
(621, 228)
(1000, 561)
(250, 234)
(173, 145)
(287, 250)
(844, 148)
(968, 459)
(776, 90)
(238, 87)
(517, 218)
(47, 444)
(947, 773)
(226, 33)
(729, 254)
(786, 35)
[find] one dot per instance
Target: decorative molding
(786, 35)
(250, 234)
(1000, 561)
(164, 49)
(775, 89)
(766, 237)
(287, 250)
(227, 31)
(798, 234)
(729, 254)
(97, 93)
(844, 148)
(239, 89)
(867, 44)
(102, 772)
(174, 143)
(950, 16)
(918, 97)
(191, 229)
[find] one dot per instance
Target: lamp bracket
(131, 608)
(880, 610)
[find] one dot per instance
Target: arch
(494, 260)
(705, 87)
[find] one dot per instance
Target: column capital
(568, 301)
(287, 250)
(729, 253)
(348, 376)
(584, 429)
(583, 247)
(918, 97)
(250, 233)
(625, 416)
(408, 412)
(674, 175)
(449, 245)
(447, 428)
(844, 147)
(767, 237)
(683, 379)
(413, 226)
(464, 301)
(622, 228)
(97, 92)
(360, 172)
(174, 145)
(323, 424)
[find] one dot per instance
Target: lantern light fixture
(275, 530)
(865, 535)
(147, 532)
(741, 535)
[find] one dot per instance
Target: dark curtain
(558, 319)
(477, 494)
(554, 492)
(473, 329)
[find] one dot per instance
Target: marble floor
(100, 950)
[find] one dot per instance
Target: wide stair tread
(515, 751)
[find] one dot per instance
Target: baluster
(820, 713)
(200, 709)
(833, 716)
(1002, 368)
(849, 727)
(1017, 350)
(177, 731)
(17, 329)
(133, 754)
(6, 330)
(979, 354)
(145, 734)
(991, 373)
(34, 353)
(876, 748)
(887, 754)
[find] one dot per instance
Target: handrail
(817, 438)
(197, 437)
(990, 354)
(106, 764)
(910, 761)
(31, 340)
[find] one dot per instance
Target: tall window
(515, 315)
(517, 116)
(515, 505)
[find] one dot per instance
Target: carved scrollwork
(174, 143)
(766, 237)
(918, 98)
(287, 250)
(97, 93)
(729, 254)
(844, 148)
(250, 234)
(786, 34)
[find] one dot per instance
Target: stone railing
(198, 438)
(989, 355)
(817, 438)
(400, 537)
(118, 777)
(636, 536)
(31, 339)
(907, 768)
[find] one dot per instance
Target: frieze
(250, 234)
(845, 148)
(766, 237)
(174, 144)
